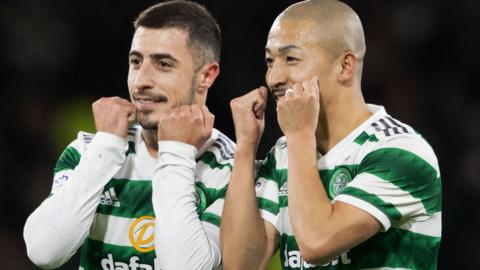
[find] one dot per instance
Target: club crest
(338, 181)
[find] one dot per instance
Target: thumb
(208, 117)
(260, 103)
(263, 91)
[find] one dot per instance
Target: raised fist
(192, 124)
(248, 113)
(112, 115)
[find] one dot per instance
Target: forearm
(58, 227)
(181, 240)
(310, 208)
(323, 230)
(241, 221)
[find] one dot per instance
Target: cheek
(177, 86)
(301, 73)
(130, 80)
(311, 69)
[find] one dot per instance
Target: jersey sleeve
(58, 227)
(182, 240)
(396, 181)
(267, 189)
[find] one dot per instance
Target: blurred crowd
(60, 56)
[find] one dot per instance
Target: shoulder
(70, 157)
(79, 145)
(221, 149)
(215, 164)
(84, 138)
(225, 145)
(390, 139)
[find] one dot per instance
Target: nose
(144, 77)
(276, 76)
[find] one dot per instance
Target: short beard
(148, 125)
(142, 118)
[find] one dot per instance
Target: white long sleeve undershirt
(182, 240)
(58, 227)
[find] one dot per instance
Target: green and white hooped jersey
(383, 167)
(122, 232)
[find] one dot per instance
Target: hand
(298, 111)
(192, 124)
(248, 113)
(113, 114)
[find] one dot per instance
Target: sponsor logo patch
(109, 197)
(141, 234)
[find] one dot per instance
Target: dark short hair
(204, 37)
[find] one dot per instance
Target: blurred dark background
(57, 57)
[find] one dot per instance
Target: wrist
(245, 150)
(110, 139)
(178, 148)
(301, 143)
(301, 136)
(245, 144)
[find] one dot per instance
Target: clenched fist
(192, 124)
(298, 111)
(112, 115)
(248, 113)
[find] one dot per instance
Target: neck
(151, 141)
(339, 118)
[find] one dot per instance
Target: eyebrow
(155, 56)
(284, 49)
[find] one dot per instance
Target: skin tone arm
(323, 230)
(247, 241)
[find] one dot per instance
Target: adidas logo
(283, 190)
(110, 198)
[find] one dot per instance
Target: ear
(348, 68)
(206, 77)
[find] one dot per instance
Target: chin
(146, 123)
(149, 125)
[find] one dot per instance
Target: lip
(278, 93)
(148, 102)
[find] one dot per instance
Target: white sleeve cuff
(367, 207)
(178, 148)
(109, 140)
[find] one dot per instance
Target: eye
(268, 61)
(134, 61)
(164, 64)
(292, 60)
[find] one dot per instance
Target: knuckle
(196, 122)
(184, 114)
(234, 103)
(116, 107)
(197, 118)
